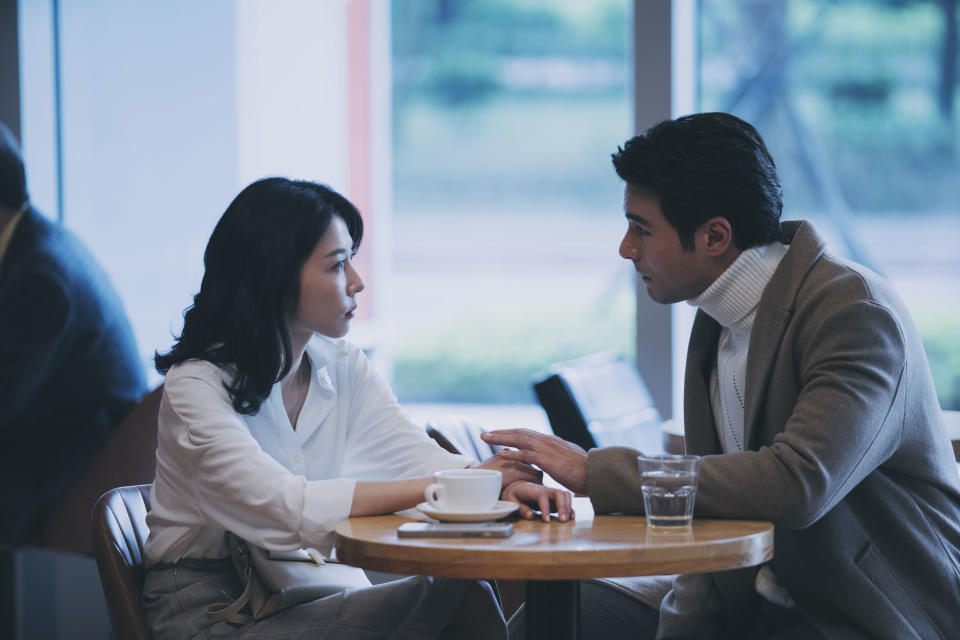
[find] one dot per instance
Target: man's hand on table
(512, 471)
(564, 461)
(544, 498)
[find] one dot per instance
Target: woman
(272, 428)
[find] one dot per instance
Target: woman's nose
(355, 283)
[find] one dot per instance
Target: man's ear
(719, 236)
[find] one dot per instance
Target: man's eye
(339, 266)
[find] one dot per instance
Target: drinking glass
(669, 485)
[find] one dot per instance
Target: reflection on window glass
(858, 103)
(507, 212)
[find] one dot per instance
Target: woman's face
(328, 286)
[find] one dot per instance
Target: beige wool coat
(847, 455)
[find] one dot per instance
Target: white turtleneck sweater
(732, 301)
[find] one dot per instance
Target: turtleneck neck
(733, 297)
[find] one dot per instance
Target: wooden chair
(119, 531)
(128, 457)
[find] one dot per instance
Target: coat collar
(697, 409)
(773, 315)
(22, 241)
(775, 312)
(6, 234)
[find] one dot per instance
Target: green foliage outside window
(856, 99)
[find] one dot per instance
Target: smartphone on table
(455, 530)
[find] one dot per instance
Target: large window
(164, 111)
(500, 255)
(507, 211)
(858, 102)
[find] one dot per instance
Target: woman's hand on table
(546, 499)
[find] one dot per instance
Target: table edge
(757, 548)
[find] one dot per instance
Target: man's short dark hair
(706, 165)
(13, 178)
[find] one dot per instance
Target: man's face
(671, 273)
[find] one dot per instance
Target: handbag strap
(230, 611)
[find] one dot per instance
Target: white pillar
(664, 86)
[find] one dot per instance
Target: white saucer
(501, 509)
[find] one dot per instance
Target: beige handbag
(274, 581)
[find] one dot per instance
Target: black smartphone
(455, 530)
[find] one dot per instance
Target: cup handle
(433, 495)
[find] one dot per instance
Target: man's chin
(654, 294)
(661, 298)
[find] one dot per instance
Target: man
(69, 367)
(808, 393)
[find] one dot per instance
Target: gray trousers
(175, 598)
(608, 613)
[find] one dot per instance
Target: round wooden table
(553, 556)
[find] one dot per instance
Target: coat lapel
(773, 316)
(700, 432)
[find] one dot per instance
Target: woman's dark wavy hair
(705, 165)
(251, 283)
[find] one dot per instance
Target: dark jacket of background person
(846, 455)
(69, 369)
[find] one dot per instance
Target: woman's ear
(719, 236)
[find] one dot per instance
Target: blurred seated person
(69, 367)
(274, 428)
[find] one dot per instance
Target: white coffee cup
(467, 490)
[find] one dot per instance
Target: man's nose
(627, 250)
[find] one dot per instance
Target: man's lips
(349, 314)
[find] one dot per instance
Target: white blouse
(281, 489)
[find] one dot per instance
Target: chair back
(128, 457)
(457, 435)
(598, 401)
(119, 531)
